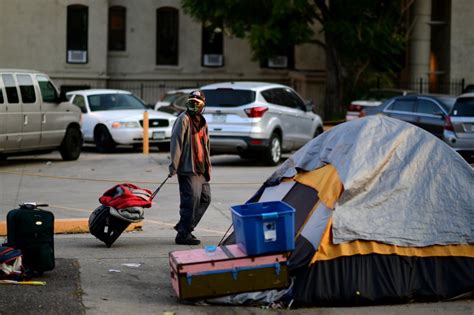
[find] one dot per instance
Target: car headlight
(125, 124)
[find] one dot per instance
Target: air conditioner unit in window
(278, 62)
(213, 60)
(77, 56)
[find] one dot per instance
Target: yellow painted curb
(72, 226)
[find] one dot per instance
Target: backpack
(11, 265)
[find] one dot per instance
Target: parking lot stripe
(116, 181)
(69, 208)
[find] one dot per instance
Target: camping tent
(384, 214)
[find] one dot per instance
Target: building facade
(441, 45)
(151, 46)
(147, 46)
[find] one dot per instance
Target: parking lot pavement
(61, 294)
(72, 190)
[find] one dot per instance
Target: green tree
(364, 40)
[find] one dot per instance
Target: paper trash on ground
(132, 265)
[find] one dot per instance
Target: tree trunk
(334, 106)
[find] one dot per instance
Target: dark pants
(195, 195)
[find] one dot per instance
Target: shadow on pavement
(235, 160)
(62, 293)
(26, 160)
(121, 150)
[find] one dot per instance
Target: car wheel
(247, 155)
(272, 154)
(103, 140)
(164, 147)
(71, 146)
(318, 131)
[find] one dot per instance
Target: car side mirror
(62, 97)
(310, 106)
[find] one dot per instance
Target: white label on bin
(269, 231)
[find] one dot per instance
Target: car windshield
(117, 101)
(464, 107)
(228, 97)
(447, 101)
(181, 102)
(171, 97)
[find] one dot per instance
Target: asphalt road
(107, 281)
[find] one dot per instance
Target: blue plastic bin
(264, 227)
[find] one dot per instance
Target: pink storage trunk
(197, 274)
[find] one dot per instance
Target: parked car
(113, 117)
(35, 117)
(176, 106)
(373, 98)
(425, 111)
(171, 96)
(258, 120)
(459, 124)
(468, 89)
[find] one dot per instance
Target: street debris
(23, 282)
(132, 265)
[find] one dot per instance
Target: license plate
(218, 118)
(158, 135)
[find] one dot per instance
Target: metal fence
(152, 91)
(452, 87)
(310, 85)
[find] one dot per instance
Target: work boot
(176, 229)
(186, 239)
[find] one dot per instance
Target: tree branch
(321, 4)
(406, 6)
(360, 71)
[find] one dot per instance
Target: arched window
(117, 28)
(77, 33)
(167, 35)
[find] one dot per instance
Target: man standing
(190, 159)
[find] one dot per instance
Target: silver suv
(258, 120)
(35, 117)
(459, 124)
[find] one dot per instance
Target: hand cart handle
(158, 189)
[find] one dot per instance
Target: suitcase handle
(158, 189)
(32, 205)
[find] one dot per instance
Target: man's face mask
(195, 106)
